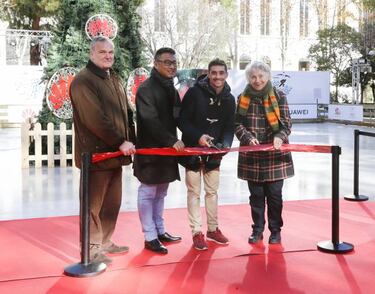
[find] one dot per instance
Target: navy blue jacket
(205, 112)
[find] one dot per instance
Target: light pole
(358, 65)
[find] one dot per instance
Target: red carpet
(34, 253)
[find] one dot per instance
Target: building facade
(279, 32)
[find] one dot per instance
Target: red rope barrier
(169, 151)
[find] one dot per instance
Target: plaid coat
(263, 166)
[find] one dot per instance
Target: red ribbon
(169, 151)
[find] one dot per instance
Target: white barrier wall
(349, 112)
(304, 89)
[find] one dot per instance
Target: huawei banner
(303, 111)
(304, 89)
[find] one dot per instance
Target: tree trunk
(36, 23)
(35, 47)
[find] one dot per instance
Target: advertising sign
(345, 112)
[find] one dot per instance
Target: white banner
(303, 111)
(345, 112)
(301, 87)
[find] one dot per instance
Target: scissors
(212, 145)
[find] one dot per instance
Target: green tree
(70, 45)
(369, 4)
(334, 50)
(27, 14)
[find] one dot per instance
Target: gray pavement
(45, 192)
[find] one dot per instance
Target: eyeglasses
(168, 63)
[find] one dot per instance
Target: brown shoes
(112, 248)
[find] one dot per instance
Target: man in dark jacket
(206, 119)
(157, 106)
(102, 123)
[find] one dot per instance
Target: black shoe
(168, 238)
(275, 238)
(255, 237)
(156, 246)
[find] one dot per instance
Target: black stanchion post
(356, 196)
(334, 245)
(85, 268)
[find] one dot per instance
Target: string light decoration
(101, 25)
(57, 92)
(135, 79)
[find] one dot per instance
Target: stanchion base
(80, 270)
(356, 198)
(329, 247)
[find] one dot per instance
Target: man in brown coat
(102, 123)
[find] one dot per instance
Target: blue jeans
(150, 209)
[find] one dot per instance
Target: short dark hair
(163, 50)
(217, 61)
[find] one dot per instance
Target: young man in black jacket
(206, 119)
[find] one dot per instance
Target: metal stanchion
(334, 245)
(85, 268)
(356, 196)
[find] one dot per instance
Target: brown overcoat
(102, 119)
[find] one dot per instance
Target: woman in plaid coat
(262, 117)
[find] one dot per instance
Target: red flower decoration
(101, 27)
(60, 92)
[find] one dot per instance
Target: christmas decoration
(136, 78)
(101, 25)
(57, 92)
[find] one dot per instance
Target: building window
(265, 15)
(304, 65)
(159, 16)
(285, 7)
(304, 18)
(182, 17)
(245, 17)
(341, 11)
(322, 10)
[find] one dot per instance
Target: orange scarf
(271, 108)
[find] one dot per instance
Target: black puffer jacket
(205, 112)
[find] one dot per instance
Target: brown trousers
(105, 192)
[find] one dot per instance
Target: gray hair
(99, 39)
(257, 65)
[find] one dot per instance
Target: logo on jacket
(212, 120)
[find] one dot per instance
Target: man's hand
(127, 148)
(277, 142)
(205, 141)
(179, 145)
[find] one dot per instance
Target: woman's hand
(277, 142)
(254, 141)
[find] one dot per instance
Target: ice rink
(42, 192)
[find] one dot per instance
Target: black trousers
(259, 192)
